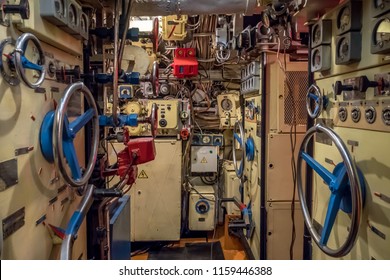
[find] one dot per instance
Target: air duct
(191, 7)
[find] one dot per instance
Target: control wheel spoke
(71, 157)
(331, 214)
(81, 121)
(325, 174)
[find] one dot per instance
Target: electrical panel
(228, 109)
(185, 63)
(204, 159)
(174, 27)
(250, 78)
(358, 112)
(207, 140)
(202, 208)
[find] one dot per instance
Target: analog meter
(349, 17)
(380, 41)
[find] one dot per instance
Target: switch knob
(339, 88)
(365, 83)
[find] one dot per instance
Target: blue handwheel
(239, 138)
(22, 63)
(346, 185)
(57, 135)
(314, 94)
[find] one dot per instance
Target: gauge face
(72, 13)
(59, 6)
(382, 33)
(343, 48)
(316, 60)
(226, 104)
(206, 139)
(83, 22)
(379, 4)
(344, 18)
(317, 34)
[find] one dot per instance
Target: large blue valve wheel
(22, 63)
(248, 148)
(58, 133)
(347, 192)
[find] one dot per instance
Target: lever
(339, 88)
(365, 83)
(23, 9)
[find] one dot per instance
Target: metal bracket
(8, 174)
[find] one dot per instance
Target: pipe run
(191, 7)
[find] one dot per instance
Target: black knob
(339, 88)
(23, 9)
(163, 123)
(365, 83)
(202, 209)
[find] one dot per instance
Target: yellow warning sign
(204, 160)
(143, 175)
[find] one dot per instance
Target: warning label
(204, 160)
(142, 175)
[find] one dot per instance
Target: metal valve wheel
(346, 184)
(314, 93)
(22, 63)
(239, 138)
(155, 78)
(152, 119)
(57, 135)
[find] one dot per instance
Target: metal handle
(343, 177)
(152, 119)
(240, 139)
(75, 223)
(314, 93)
(22, 63)
(155, 78)
(64, 133)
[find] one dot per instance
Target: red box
(185, 63)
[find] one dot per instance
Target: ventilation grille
(295, 88)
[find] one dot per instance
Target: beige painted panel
(231, 187)
(279, 178)
(156, 200)
(372, 157)
(279, 227)
(279, 85)
(21, 114)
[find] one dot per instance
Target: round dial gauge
(60, 7)
(206, 139)
(316, 59)
(226, 104)
(317, 34)
(382, 32)
(343, 48)
(72, 15)
(344, 18)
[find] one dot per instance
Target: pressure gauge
(348, 52)
(322, 33)
(344, 18)
(72, 15)
(206, 139)
(226, 104)
(60, 7)
(349, 17)
(379, 7)
(320, 58)
(380, 41)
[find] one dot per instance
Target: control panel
(228, 108)
(355, 84)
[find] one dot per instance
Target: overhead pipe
(191, 7)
